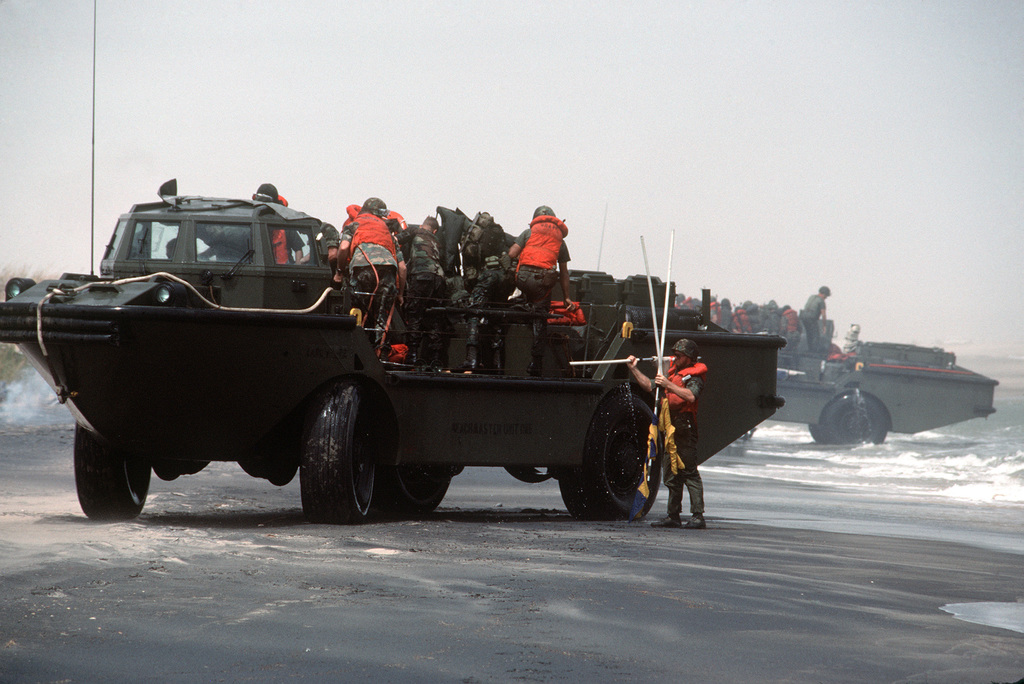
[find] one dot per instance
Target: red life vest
(544, 243)
(372, 229)
(676, 404)
(352, 210)
(715, 317)
(566, 317)
(279, 241)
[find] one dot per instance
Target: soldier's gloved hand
(506, 261)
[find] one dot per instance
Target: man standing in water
(682, 383)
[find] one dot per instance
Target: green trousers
(686, 444)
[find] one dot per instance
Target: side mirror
(169, 189)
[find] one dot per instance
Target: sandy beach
(221, 579)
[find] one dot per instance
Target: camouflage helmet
(686, 347)
(484, 220)
(543, 210)
(376, 207)
(823, 290)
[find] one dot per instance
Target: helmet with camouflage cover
(375, 206)
(543, 210)
(685, 347)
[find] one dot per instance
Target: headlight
(163, 294)
(15, 286)
(169, 294)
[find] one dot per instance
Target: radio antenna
(92, 190)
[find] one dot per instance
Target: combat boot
(668, 521)
(696, 522)
(472, 361)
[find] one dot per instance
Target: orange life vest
(372, 229)
(352, 210)
(792, 320)
(544, 243)
(676, 403)
(279, 241)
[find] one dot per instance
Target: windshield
(153, 240)
(223, 241)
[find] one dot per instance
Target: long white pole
(668, 288)
(654, 311)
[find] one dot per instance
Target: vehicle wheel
(604, 486)
(855, 418)
(337, 468)
(110, 486)
(411, 490)
(819, 434)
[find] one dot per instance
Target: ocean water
(961, 483)
(29, 401)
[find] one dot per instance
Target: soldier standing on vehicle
(541, 250)
(287, 246)
(426, 289)
(812, 313)
(486, 273)
(682, 383)
(377, 267)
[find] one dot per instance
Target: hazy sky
(876, 147)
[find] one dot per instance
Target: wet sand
(221, 579)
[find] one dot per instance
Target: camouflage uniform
(487, 275)
(425, 289)
(373, 277)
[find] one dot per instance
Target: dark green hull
(200, 343)
(900, 388)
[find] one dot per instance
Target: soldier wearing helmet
(811, 315)
(682, 383)
(426, 291)
(376, 266)
(543, 259)
(487, 275)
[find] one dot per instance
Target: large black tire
(111, 487)
(819, 434)
(855, 418)
(604, 486)
(337, 468)
(411, 489)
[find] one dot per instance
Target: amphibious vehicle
(879, 388)
(195, 345)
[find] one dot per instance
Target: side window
(153, 240)
(116, 239)
(229, 242)
(291, 245)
